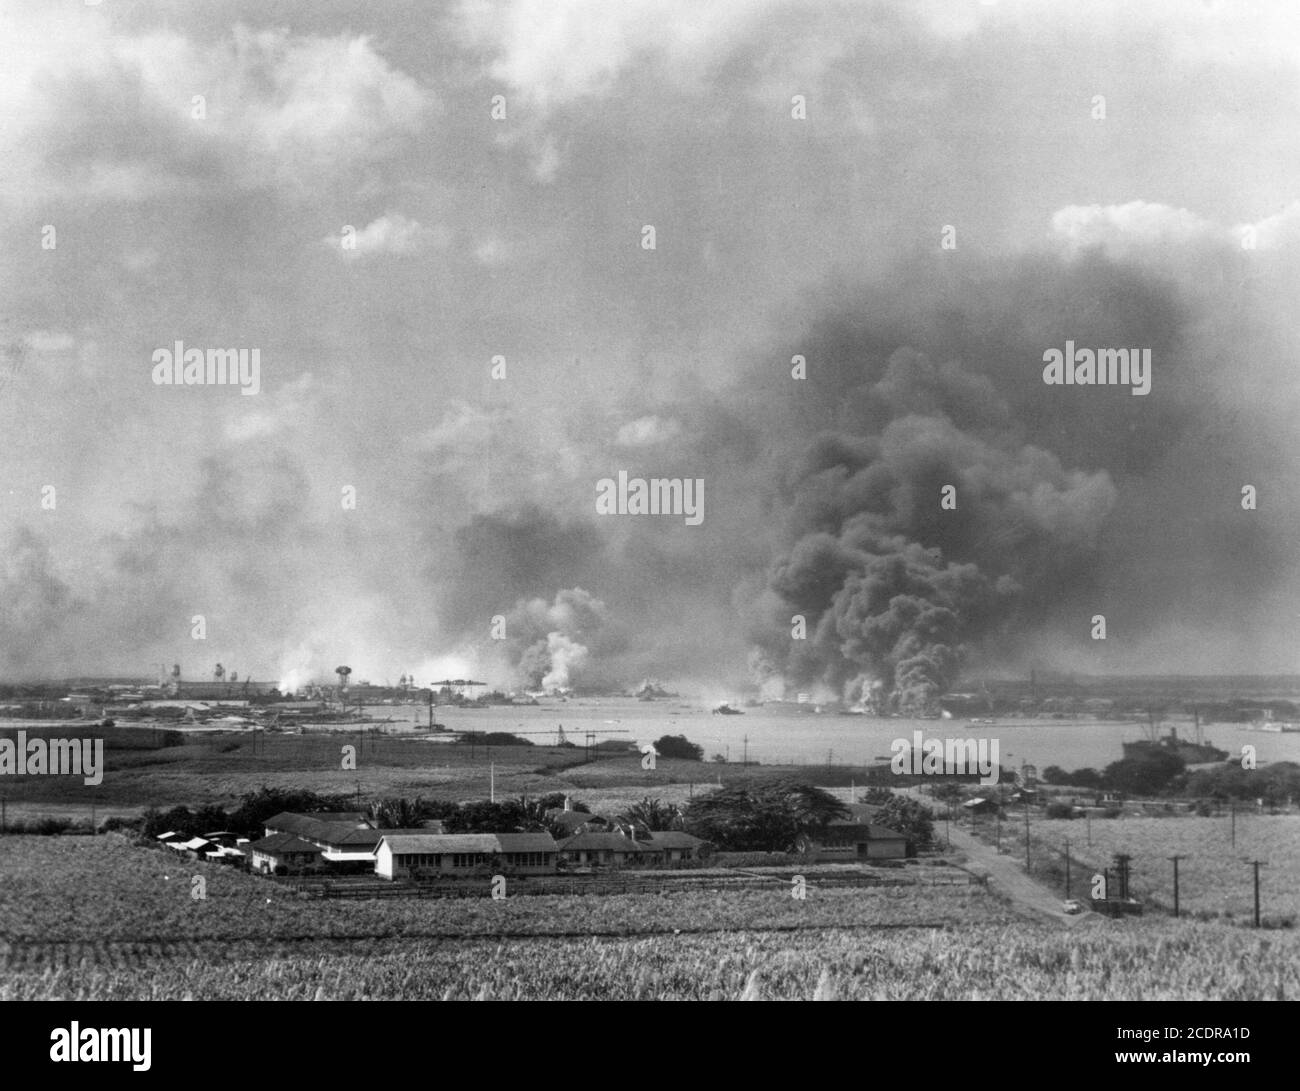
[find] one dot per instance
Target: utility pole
(745, 761)
(492, 782)
(1255, 864)
(1122, 873)
(1067, 867)
(1233, 810)
(1027, 859)
(1175, 859)
(1087, 816)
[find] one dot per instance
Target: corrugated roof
(526, 842)
(674, 839)
(866, 831)
(600, 842)
(339, 828)
(280, 843)
(487, 843)
(406, 843)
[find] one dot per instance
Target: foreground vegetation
(107, 890)
(1132, 960)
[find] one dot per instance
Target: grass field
(1134, 960)
(101, 918)
(219, 768)
(1214, 876)
(82, 889)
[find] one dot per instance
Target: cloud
(94, 112)
(389, 234)
(50, 341)
(647, 432)
(492, 251)
(554, 54)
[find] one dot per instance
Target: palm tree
(532, 815)
(396, 814)
(652, 815)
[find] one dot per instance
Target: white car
(1071, 906)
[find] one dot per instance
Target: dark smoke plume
(895, 586)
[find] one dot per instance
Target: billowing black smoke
(914, 539)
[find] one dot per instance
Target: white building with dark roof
(402, 853)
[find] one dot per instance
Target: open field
(1214, 876)
(1132, 960)
(101, 918)
(105, 889)
(219, 768)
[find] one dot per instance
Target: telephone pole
(1067, 867)
(1175, 859)
(1026, 836)
(1256, 865)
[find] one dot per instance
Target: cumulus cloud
(553, 54)
(98, 112)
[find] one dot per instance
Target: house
(282, 850)
(672, 846)
(606, 849)
(340, 837)
(573, 822)
(857, 838)
(401, 853)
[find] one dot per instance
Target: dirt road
(1007, 877)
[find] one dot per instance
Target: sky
(429, 220)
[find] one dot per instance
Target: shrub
(492, 738)
(678, 746)
(1060, 810)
